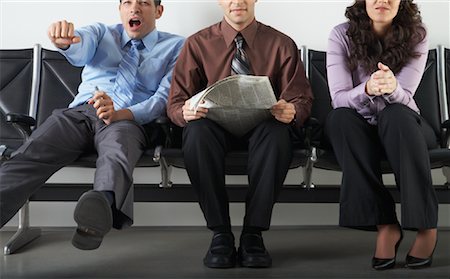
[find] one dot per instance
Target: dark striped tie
(126, 75)
(240, 64)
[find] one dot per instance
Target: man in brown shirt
(206, 58)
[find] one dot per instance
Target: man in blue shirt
(125, 85)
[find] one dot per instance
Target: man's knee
(203, 134)
(274, 131)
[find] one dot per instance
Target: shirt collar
(149, 41)
(229, 33)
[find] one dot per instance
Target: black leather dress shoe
(383, 264)
(93, 215)
(252, 252)
(221, 252)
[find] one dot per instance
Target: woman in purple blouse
(375, 62)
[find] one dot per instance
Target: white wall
(24, 23)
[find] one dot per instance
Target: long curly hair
(395, 49)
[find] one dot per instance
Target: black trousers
(60, 140)
(205, 145)
(403, 137)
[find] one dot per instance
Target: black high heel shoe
(416, 263)
(383, 264)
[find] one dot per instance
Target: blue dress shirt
(100, 52)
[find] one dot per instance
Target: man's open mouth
(134, 22)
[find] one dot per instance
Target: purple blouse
(347, 88)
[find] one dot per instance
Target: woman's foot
(421, 253)
(424, 244)
(388, 241)
(387, 237)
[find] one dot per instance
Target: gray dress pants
(60, 140)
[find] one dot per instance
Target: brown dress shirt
(206, 58)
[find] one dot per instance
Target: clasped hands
(104, 106)
(282, 111)
(381, 82)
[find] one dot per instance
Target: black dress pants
(403, 137)
(205, 145)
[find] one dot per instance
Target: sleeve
(188, 78)
(409, 77)
(294, 86)
(152, 108)
(340, 82)
(82, 53)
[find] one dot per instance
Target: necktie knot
(239, 40)
(240, 64)
(136, 43)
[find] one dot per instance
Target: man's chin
(134, 35)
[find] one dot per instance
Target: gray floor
(297, 252)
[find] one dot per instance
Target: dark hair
(395, 48)
(157, 2)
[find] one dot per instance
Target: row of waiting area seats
(36, 81)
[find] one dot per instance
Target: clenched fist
(61, 34)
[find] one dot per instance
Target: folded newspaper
(238, 103)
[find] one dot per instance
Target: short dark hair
(157, 2)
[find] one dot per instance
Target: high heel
(383, 264)
(416, 263)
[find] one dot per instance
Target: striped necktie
(126, 75)
(240, 64)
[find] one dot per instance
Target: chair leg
(166, 173)
(166, 169)
(446, 172)
(307, 171)
(25, 234)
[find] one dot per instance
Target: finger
(376, 74)
(105, 115)
(51, 31)
(200, 115)
(383, 67)
(282, 119)
(101, 95)
(202, 110)
(76, 40)
(64, 29)
(101, 103)
(104, 111)
(57, 30)
(70, 30)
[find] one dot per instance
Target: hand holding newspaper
(238, 103)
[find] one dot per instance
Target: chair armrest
(21, 122)
(21, 119)
(446, 124)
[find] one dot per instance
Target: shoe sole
(219, 265)
(252, 264)
(255, 265)
(94, 218)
